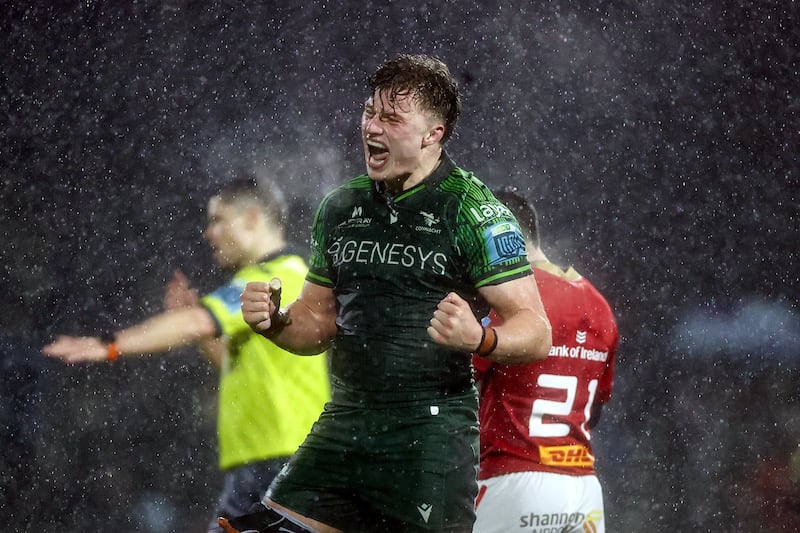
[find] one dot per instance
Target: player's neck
(264, 248)
(535, 253)
(429, 162)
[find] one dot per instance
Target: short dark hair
(246, 188)
(523, 211)
(429, 82)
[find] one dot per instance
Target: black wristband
(278, 321)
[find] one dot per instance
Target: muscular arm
(524, 335)
(171, 329)
(312, 315)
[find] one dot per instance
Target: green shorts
(404, 469)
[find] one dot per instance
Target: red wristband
(488, 342)
(112, 352)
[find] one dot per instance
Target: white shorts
(539, 502)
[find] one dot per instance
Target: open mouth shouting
(377, 154)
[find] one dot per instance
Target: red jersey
(533, 417)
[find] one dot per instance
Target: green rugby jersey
(390, 261)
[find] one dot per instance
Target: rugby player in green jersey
(402, 259)
(268, 398)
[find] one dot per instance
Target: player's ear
(433, 136)
(252, 216)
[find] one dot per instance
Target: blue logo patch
(229, 295)
(504, 242)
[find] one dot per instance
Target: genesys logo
(561, 522)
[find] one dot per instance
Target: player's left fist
(454, 325)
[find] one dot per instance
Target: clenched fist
(260, 304)
(454, 325)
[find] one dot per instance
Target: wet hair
(429, 82)
(246, 189)
(523, 211)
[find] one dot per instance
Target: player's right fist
(259, 304)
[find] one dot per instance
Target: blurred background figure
(22, 380)
(535, 419)
(773, 496)
(268, 398)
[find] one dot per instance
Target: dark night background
(659, 141)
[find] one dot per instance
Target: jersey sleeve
(490, 237)
(225, 308)
(320, 271)
(606, 384)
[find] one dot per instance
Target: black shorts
(403, 469)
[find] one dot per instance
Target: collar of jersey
(441, 172)
(436, 177)
(289, 249)
(569, 274)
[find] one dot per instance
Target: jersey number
(537, 427)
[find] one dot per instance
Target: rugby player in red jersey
(537, 467)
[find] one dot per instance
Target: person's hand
(77, 349)
(179, 293)
(260, 302)
(454, 325)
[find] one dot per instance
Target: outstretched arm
(171, 329)
(309, 324)
(524, 335)
(179, 294)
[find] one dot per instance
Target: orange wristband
(112, 353)
(488, 342)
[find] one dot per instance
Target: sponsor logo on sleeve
(504, 243)
(489, 211)
(229, 296)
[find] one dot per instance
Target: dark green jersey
(390, 261)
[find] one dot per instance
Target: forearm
(523, 337)
(214, 349)
(158, 334)
(166, 331)
(309, 331)
(305, 327)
